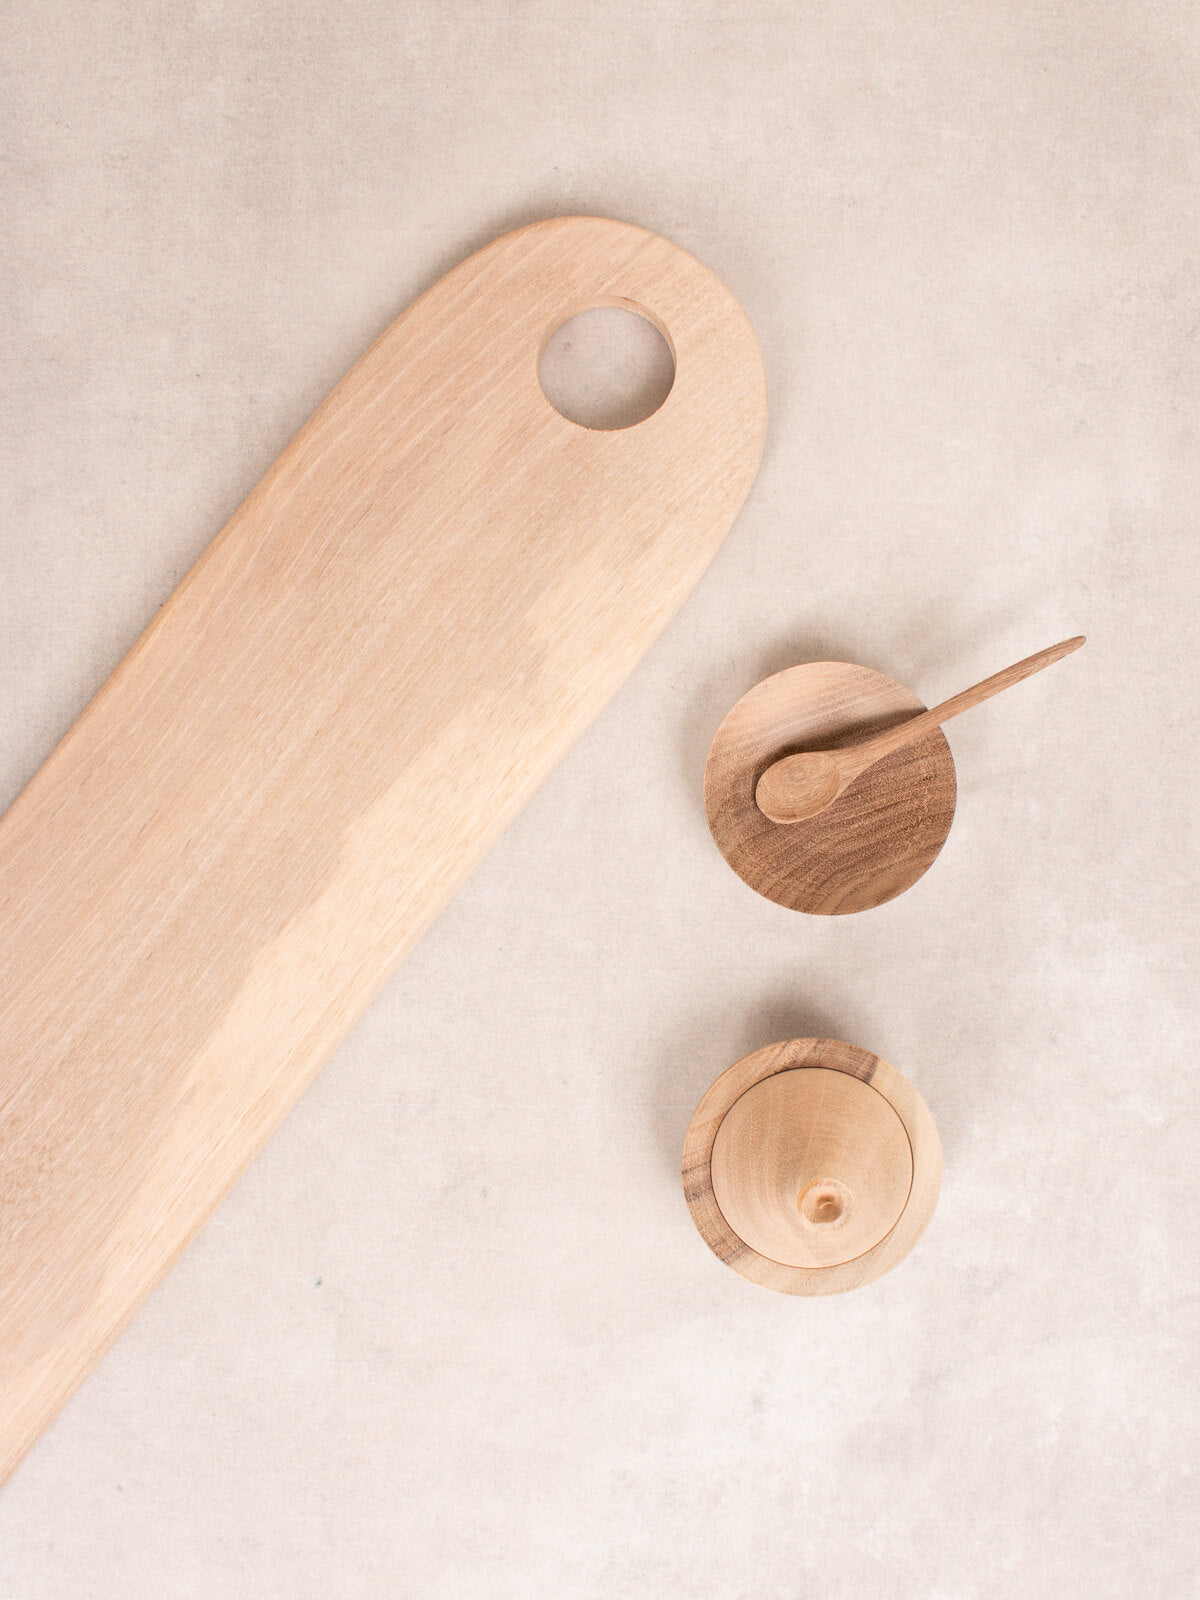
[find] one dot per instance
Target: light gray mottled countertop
(454, 1335)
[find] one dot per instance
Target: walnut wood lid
(876, 839)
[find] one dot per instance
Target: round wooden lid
(811, 1166)
(876, 839)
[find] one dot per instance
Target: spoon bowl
(798, 786)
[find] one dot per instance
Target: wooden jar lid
(811, 1166)
(876, 839)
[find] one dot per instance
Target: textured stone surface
(454, 1335)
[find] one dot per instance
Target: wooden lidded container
(811, 1166)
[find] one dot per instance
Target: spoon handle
(857, 758)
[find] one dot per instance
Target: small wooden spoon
(799, 786)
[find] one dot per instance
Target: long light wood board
(409, 620)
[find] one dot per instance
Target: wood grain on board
(410, 619)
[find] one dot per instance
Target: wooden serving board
(410, 619)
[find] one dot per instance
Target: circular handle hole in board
(606, 368)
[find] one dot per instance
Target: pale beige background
(454, 1335)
